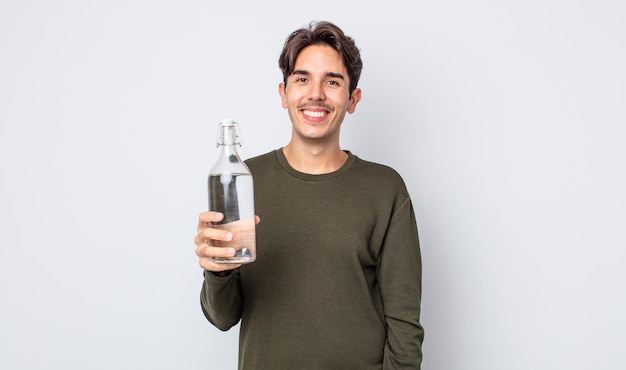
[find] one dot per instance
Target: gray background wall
(506, 120)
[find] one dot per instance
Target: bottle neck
(228, 135)
(228, 160)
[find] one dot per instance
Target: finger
(207, 253)
(210, 216)
(216, 234)
(209, 265)
(205, 219)
(205, 250)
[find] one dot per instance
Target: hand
(217, 242)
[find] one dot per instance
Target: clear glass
(231, 192)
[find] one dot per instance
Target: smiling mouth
(314, 114)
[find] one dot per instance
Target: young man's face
(316, 94)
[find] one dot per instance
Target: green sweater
(337, 280)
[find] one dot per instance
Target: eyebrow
(328, 74)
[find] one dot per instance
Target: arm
(400, 277)
(221, 295)
(221, 299)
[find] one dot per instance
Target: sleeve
(400, 278)
(221, 299)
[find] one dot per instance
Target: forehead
(316, 58)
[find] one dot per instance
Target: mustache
(323, 106)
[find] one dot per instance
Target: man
(337, 280)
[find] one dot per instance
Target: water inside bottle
(233, 195)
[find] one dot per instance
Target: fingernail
(229, 236)
(231, 251)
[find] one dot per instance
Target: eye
(334, 82)
(301, 79)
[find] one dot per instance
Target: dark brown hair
(322, 33)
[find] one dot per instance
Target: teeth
(317, 114)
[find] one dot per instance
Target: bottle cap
(228, 133)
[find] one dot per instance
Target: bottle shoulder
(229, 161)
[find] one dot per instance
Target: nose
(316, 92)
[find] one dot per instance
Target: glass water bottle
(231, 192)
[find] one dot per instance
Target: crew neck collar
(282, 160)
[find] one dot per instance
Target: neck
(315, 160)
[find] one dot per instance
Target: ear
(283, 96)
(354, 100)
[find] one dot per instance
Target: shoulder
(378, 177)
(261, 160)
(264, 166)
(378, 171)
